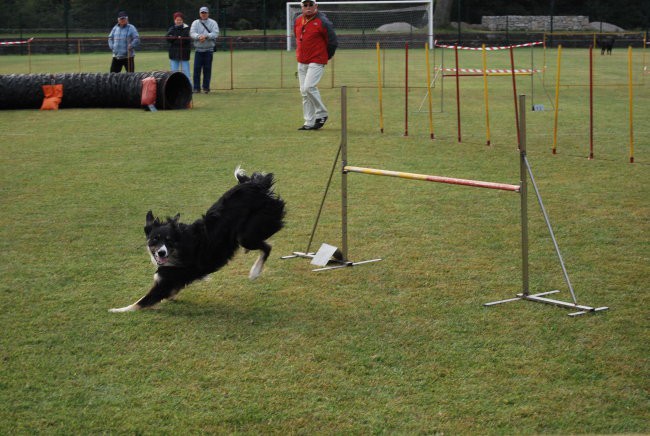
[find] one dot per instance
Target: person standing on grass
(316, 43)
(178, 37)
(123, 40)
(204, 32)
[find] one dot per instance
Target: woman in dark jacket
(178, 37)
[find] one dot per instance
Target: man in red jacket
(315, 44)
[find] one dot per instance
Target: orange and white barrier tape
(16, 42)
(491, 71)
(505, 47)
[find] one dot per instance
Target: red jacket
(316, 40)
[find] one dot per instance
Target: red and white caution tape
(16, 42)
(505, 47)
(493, 71)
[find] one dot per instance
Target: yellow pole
(426, 50)
(79, 53)
(629, 73)
(485, 95)
(381, 109)
(645, 66)
(557, 96)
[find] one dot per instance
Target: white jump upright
(341, 259)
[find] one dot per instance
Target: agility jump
(340, 257)
(457, 72)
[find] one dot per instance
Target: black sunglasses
(308, 4)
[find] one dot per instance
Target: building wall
(535, 22)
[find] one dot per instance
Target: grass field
(402, 346)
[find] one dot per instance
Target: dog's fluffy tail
(240, 175)
(266, 180)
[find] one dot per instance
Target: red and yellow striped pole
(428, 178)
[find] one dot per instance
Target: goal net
(365, 22)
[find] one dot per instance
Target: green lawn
(402, 346)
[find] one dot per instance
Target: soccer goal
(367, 17)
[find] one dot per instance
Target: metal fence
(262, 62)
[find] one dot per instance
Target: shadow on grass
(218, 310)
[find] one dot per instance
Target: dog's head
(162, 239)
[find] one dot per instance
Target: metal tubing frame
(343, 153)
(429, 3)
(344, 177)
(525, 171)
(523, 196)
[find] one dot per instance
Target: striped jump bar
(437, 179)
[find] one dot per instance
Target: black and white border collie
(246, 215)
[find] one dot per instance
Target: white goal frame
(371, 2)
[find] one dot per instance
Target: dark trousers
(127, 63)
(202, 62)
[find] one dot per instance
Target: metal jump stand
(340, 257)
(524, 169)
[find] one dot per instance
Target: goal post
(368, 15)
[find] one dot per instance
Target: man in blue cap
(123, 40)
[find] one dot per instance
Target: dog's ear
(150, 221)
(173, 222)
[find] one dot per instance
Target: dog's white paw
(256, 270)
(130, 308)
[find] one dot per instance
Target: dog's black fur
(606, 45)
(246, 215)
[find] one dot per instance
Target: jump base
(539, 298)
(338, 263)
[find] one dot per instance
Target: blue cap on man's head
(122, 14)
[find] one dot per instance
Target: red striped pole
(406, 90)
(514, 94)
(591, 102)
(457, 93)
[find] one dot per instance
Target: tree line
(270, 14)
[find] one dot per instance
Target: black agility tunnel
(95, 90)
